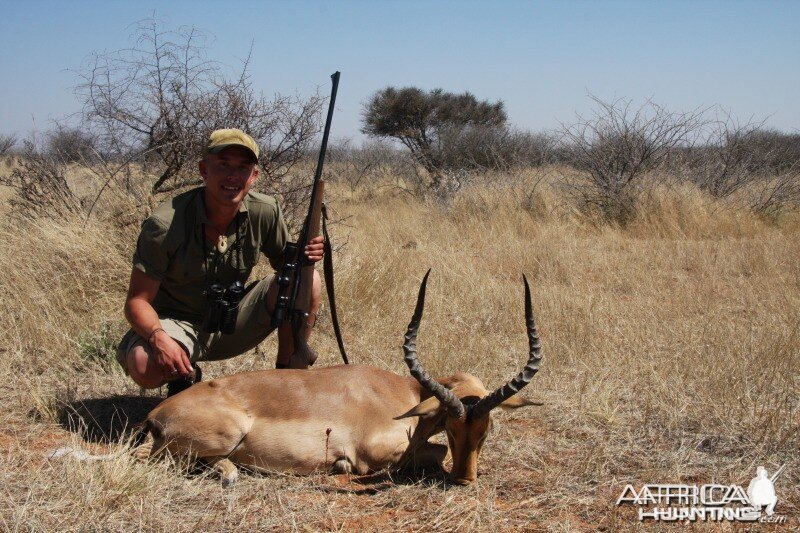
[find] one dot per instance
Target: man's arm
(168, 354)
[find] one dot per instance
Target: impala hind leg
(227, 471)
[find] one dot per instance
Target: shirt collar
(245, 202)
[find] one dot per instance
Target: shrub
(7, 143)
(355, 165)
(746, 163)
(613, 149)
(71, 145)
(493, 148)
(40, 185)
(162, 97)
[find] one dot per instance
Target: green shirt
(171, 249)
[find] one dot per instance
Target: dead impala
(347, 418)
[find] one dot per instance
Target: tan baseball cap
(221, 139)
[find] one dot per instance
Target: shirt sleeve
(275, 239)
(151, 256)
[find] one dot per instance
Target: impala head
(460, 402)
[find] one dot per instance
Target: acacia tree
(427, 122)
(162, 97)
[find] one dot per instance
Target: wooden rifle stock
(303, 355)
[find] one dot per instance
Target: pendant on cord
(222, 244)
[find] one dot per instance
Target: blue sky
(541, 58)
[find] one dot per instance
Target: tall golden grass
(671, 355)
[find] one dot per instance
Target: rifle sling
(327, 268)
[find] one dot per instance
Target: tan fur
(347, 418)
(292, 420)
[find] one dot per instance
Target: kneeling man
(199, 244)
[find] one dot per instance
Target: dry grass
(671, 355)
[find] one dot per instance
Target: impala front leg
(227, 471)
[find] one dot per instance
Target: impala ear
(516, 402)
(425, 409)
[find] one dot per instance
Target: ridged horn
(508, 390)
(445, 396)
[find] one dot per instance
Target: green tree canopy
(423, 121)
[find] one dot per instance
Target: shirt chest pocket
(234, 265)
(189, 266)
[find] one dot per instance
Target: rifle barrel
(328, 120)
(300, 261)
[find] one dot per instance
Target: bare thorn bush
(40, 185)
(163, 96)
(747, 164)
(491, 148)
(7, 143)
(619, 144)
(71, 145)
(360, 166)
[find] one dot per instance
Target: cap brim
(221, 147)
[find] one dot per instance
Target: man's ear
(516, 402)
(201, 165)
(425, 409)
(255, 174)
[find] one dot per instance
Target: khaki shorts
(252, 327)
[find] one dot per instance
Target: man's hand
(170, 356)
(314, 249)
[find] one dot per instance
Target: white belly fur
(304, 446)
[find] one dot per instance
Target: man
(212, 234)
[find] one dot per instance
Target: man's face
(228, 175)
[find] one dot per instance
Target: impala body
(347, 418)
(340, 418)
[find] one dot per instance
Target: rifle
(297, 275)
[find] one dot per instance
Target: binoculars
(223, 307)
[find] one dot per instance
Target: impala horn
(443, 394)
(508, 390)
